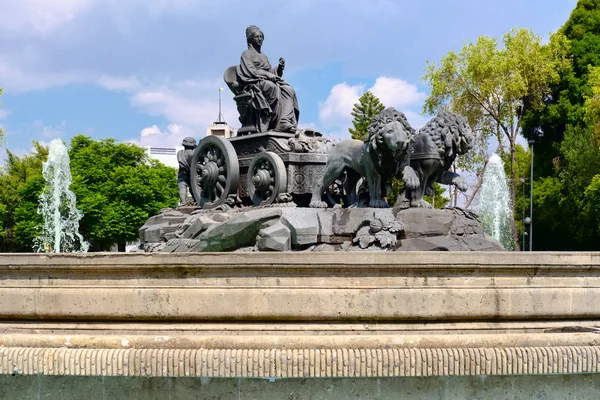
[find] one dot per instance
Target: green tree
(21, 182)
(437, 200)
(592, 102)
(491, 86)
(118, 188)
(567, 157)
(368, 106)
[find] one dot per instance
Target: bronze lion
(382, 155)
(436, 146)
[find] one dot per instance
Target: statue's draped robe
(275, 100)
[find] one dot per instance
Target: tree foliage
(21, 182)
(592, 102)
(492, 85)
(368, 106)
(567, 158)
(118, 188)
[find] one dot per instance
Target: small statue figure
(384, 154)
(184, 158)
(436, 146)
(265, 102)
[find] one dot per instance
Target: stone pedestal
(287, 228)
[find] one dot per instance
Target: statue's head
(391, 131)
(254, 35)
(189, 143)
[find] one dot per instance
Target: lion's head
(451, 134)
(390, 131)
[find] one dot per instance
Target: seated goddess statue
(265, 102)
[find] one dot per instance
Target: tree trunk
(121, 247)
(455, 191)
(475, 190)
(477, 185)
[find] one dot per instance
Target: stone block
(433, 243)
(326, 231)
(179, 245)
(275, 237)
(303, 224)
(239, 231)
(426, 222)
(153, 233)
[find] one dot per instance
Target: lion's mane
(387, 116)
(448, 143)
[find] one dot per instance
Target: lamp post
(538, 132)
(522, 180)
(220, 119)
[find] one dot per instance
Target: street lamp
(537, 132)
(522, 180)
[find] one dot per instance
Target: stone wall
(290, 315)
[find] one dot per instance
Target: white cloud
(416, 119)
(335, 112)
(307, 125)
(338, 106)
(43, 17)
(118, 84)
(397, 93)
(153, 136)
(49, 131)
(16, 80)
(39, 16)
(176, 107)
(187, 108)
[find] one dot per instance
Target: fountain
(495, 210)
(60, 232)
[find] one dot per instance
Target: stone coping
(431, 259)
(326, 287)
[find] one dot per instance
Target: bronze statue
(384, 154)
(265, 102)
(436, 146)
(184, 158)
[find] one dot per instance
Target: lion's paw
(378, 204)
(403, 204)
(317, 204)
(411, 182)
(420, 204)
(460, 183)
(410, 178)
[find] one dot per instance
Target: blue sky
(149, 71)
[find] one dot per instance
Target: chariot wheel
(267, 178)
(215, 172)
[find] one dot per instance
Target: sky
(149, 72)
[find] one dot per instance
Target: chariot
(260, 168)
